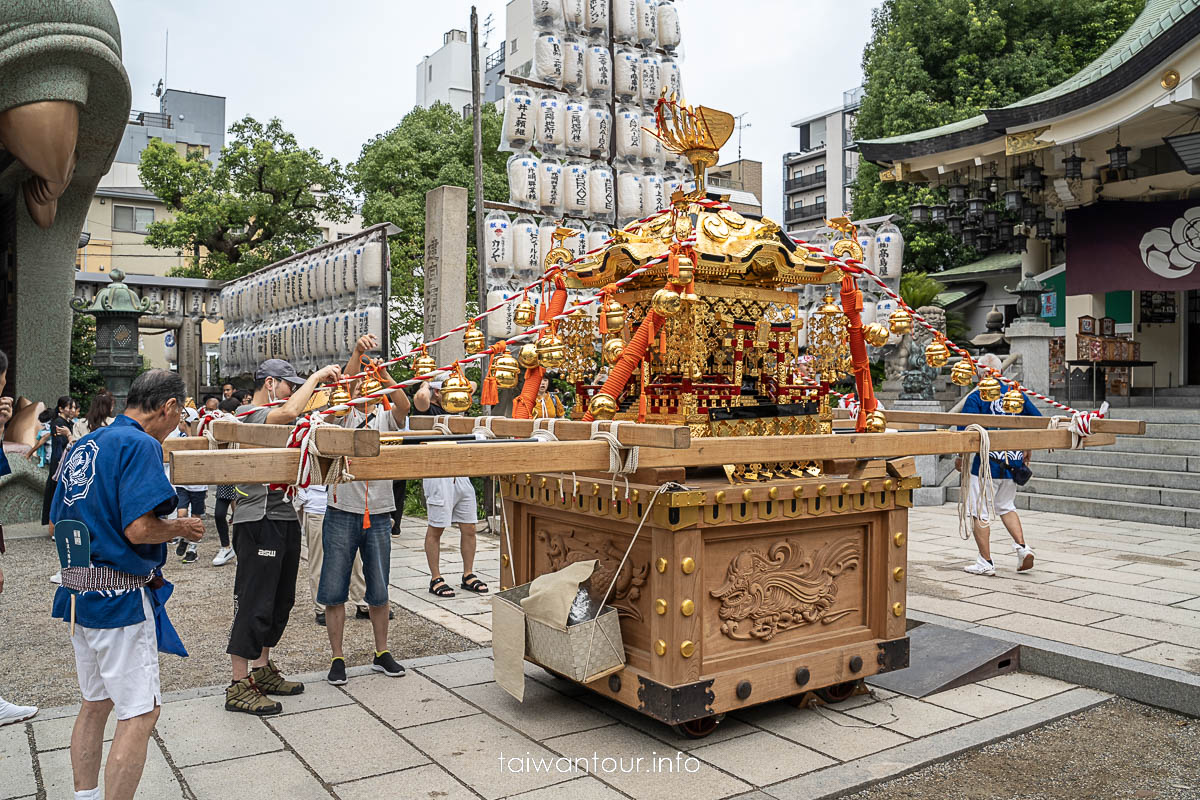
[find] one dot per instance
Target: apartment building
(819, 174)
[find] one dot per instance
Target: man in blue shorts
(112, 484)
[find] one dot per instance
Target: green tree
(933, 62)
(430, 147)
(921, 289)
(260, 203)
(85, 380)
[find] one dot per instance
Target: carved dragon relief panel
(563, 548)
(765, 594)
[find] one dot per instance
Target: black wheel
(698, 728)
(838, 692)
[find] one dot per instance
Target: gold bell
(456, 394)
(876, 422)
(613, 349)
(667, 302)
(989, 389)
(900, 322)
(424, 364)
(1013, 402)
(936, 354)
(602, 406)
(506, 371)
(551, 352)
(527, 356)
(962, 373)
(339, 397)
(614, 315)
(525, 313)
(687, 271)
(876, 334)
(370, 386)
(473, 341)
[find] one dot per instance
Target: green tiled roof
(997, 262)
(947, 299)
(1156, 18)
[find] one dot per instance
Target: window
(820, 199)
(132, 219)
(343, 235)
(513, 49)
(798, 203)
(799, 173)
(820, 168)
(431, 73)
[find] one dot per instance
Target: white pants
(1005, 498)
(450, 501)
(120, 664)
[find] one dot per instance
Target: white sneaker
(981, 567)
(57, 578)
(10, 713)
(1024, 557)
(224, 556)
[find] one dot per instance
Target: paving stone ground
(447, 731)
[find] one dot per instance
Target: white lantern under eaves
(889, 251)
(866, 240)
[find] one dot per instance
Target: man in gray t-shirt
(266, 537)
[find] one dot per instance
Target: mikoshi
(755, 536)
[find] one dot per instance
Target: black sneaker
(337, 672)
(190, 556)
(180, 546)
(387, 665)
(321, 618)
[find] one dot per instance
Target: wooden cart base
(732, 595)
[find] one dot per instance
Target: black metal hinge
(675, 704)
(893, 654)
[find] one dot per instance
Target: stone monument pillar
(445, 268)
(1029, 335)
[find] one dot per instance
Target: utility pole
(477, 124)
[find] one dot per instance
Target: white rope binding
(441, 424)
(309, 471)
(622, 461)
(543, 429)
(987, 489)
(1079, 424)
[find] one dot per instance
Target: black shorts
(264, 589)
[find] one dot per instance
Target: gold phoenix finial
(559, 254)
(695, 132)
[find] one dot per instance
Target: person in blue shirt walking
(1004, 488)
(112, 484)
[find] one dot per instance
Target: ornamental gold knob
(667, 302)
(876, 334)
(602, 406)
(506, 370)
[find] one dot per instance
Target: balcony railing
(849, 174)
(806, 212)
(152, 119)
(805, 181)
(494, 59)
(726, 183)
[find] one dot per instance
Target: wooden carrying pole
(1135, 427)
(674, 437)
(437, 460)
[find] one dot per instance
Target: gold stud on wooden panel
(887, 485)
(660, 606)
(687, 648)
(687, 608)
(773, 492)
(898, 609)
(688, 565)
(898, 574)
(661, 565)
(822, 490)
(634, 495)
(504, 559)
(660, 647)
(720, 496)
(798, 492)
(846, 487)
(746, 495)
(899, 538)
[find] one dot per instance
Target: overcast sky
(339, 73)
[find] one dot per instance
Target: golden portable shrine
(755, 543)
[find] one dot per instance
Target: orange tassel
(366, 509)
(490, 396)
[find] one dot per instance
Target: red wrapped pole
(523, 403)
(635, 351)
(852, 308)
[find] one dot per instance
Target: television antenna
(487, 29)
(162, 82)
(739, 124)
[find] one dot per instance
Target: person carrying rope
(1000, 493)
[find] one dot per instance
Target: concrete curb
(1143, 681)
(886, 765)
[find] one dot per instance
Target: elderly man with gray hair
(1002, 465)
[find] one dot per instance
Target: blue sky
(339, 73)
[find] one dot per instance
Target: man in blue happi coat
(114, 494)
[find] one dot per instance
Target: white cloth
(450, 501)
(120, 664)
(312, 499)
(1005, 499)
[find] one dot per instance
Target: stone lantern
(1029, 298)
(117, 309)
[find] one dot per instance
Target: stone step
(1108, 457)
(1121, 475)
(1173, 391)
(1150, 444)
(1173, 430)
(1148, 414)
(1137, 401)
(1116, 492)
(1101, 509)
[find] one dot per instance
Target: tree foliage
(430, 147)
(933, 62)
(260, 203)
(85, 380)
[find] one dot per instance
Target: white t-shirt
(313, 499)
(358, 497)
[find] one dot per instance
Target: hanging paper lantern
(889, 250)
(866, 240)
(868, 311)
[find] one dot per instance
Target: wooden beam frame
(331, 439)
(1134, 427)
(673, 437)
(434, 460)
